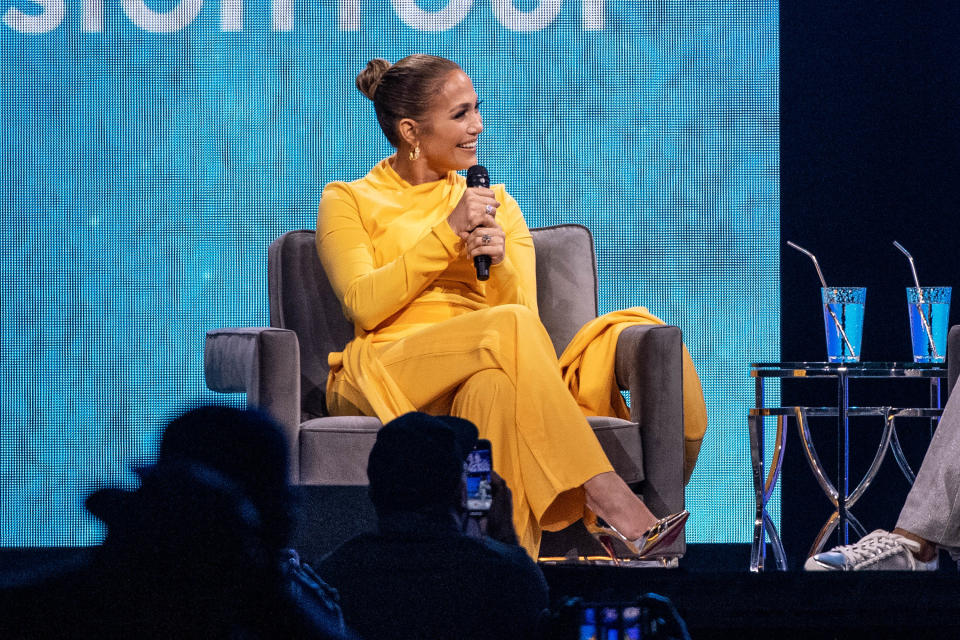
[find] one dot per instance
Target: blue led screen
(151, 151)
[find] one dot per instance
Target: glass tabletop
(881, 369)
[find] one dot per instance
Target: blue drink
(933, 316)
(843, 321)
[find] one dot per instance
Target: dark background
(870, 97)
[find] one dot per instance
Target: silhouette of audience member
(420, 575)
(199, 549)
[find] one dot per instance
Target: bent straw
(916, 282)
(826, 306)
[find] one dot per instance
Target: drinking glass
(929, 309)
(843, 321)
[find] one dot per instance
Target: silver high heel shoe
(660, 535)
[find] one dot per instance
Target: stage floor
(716, 595)
(791, 604)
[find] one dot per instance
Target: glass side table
(840, 496)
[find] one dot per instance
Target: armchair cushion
(334, 451)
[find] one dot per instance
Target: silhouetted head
(417, 461)
(246, 449)
(245, 446)
(184, 555)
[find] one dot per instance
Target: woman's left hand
(487, 239)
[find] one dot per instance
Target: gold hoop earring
(415, 154)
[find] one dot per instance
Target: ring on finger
(486, 239)
(489, 209)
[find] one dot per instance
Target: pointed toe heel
(660, 535)
(663, 534)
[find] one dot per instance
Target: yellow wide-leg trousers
(497, 368)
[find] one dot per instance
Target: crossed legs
(498, 369)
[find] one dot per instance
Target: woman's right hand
(476, 208)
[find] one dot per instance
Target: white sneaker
(877, 551)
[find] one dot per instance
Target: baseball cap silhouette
(246, 447)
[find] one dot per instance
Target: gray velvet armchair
(283, 370)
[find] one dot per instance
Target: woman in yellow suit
(398, 248)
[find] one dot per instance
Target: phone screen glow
(479, 465)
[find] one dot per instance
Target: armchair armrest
(649, 365)
(264, 363)
(953, 358)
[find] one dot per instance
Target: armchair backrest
(566, 280)
(302, 300)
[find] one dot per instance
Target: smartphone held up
(479, 466)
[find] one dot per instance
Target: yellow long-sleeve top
(397, 266)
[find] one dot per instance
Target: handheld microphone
(477, 176)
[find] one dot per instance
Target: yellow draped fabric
(429, 336)
(587, 366)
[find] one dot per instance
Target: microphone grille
(477, 176)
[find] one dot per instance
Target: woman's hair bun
(369, 79)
